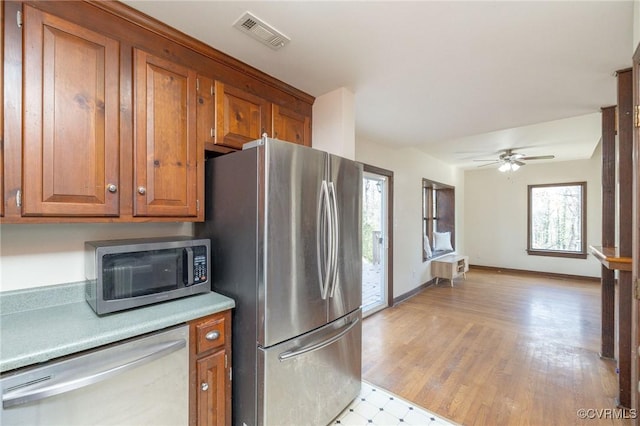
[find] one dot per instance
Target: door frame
(389, 175)
(635, 306)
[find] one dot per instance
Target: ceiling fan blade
(489, 164)
(519, 163)
(486, 160)
(539, 157)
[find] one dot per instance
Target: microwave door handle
(189, 253)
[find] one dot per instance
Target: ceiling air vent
(261, 31)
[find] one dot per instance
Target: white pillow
(427, 247)
(442, 241)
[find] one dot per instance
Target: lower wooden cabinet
(210, 388)
(210, 370)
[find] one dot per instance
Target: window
(438, 215)
(557, 220)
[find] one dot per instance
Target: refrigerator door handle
(317, 345)
(335, 239)
(323, 242)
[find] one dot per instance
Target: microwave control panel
(199, 264)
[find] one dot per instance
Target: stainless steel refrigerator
(285, 227)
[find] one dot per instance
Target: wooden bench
(450, 267)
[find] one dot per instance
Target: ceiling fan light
(510, 161)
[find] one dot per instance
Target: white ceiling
(432, 74)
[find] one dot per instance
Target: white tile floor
(375, 406)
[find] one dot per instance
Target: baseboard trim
(413, 292)
(526, 272)
(496, 269)
(606, 358)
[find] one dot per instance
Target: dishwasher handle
(49, 386)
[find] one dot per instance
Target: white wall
(636, 25)
(495, 215)
(409, 166)
(39, 255)
(333, 128)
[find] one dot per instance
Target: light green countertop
(37, 325)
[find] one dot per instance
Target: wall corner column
(625, 189)
(608, 289)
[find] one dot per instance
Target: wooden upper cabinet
(70, 124)
(166, 149)
(105, 118)
(206, 111)
(240, 116)
(291, 126)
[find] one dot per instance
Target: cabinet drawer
(210, 334)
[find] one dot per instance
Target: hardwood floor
(497, 349)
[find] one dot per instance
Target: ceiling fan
(511, 161)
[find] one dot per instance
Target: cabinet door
(211, 386)
(205, 112)
(70, 125)
(240, 116)
(165, 143)
(291, 126)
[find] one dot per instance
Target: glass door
(374, 242)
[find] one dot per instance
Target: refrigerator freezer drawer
(310, 379)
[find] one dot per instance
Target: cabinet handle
(112, 188)
(212, 335)
(142, 190)
(204, 386)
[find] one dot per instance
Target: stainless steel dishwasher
(143, 381)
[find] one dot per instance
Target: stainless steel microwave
(124, 274)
